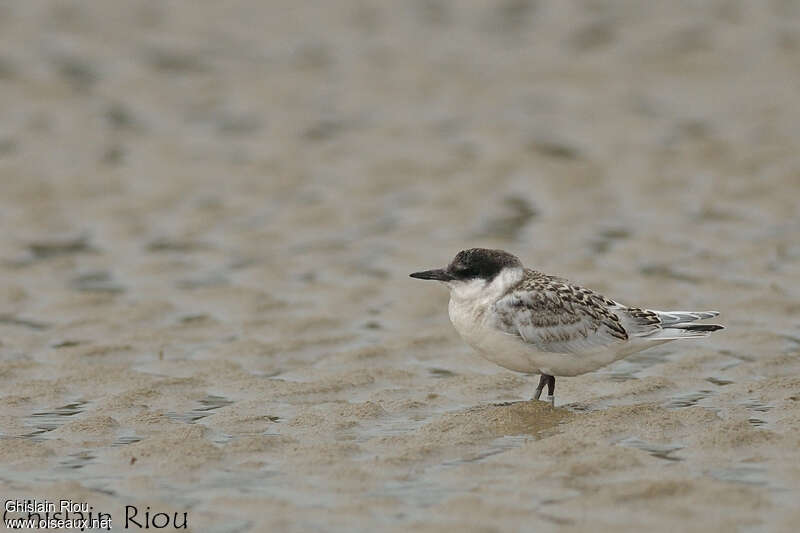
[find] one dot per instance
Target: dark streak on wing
(557, 316)
(644, 317)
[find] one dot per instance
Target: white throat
(470, 311)
(479, 290)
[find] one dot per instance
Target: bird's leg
(542, 382)
(551, 389)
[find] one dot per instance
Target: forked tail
(677, 325)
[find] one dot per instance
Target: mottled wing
(560, 318)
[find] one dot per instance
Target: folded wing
(562, 318)
(558, 317)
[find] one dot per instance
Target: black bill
(438, 274)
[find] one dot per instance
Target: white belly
(473, 323)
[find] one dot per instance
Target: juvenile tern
(531, 322)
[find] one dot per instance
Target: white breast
(498, 347)
(471, 312)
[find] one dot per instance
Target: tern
(531, 322)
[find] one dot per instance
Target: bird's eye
(462, 270)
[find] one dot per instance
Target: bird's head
(468, 266)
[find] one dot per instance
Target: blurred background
(210, 210)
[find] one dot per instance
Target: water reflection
(207, 405)
(46, 421)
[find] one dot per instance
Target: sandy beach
(210, 211)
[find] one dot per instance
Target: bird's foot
(552, 399)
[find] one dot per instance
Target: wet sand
(210, 211)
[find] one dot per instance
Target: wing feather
(558, 317)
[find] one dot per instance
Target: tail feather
(668, 334)
(671, 318)
(676, 325)
(705, 328)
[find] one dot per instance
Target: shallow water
(662, 451)
(206, 405)
(45, 421)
